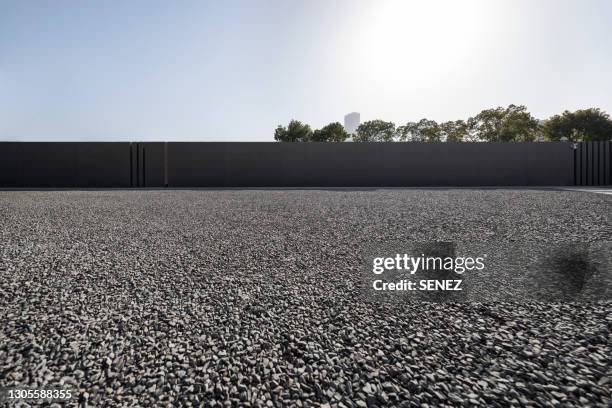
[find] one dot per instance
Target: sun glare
(402, 41)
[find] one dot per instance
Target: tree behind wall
(334, 132)
(375, 131)
(296, 131)
(511, 124)
(425, 130)
(582, 125)
(454, 131)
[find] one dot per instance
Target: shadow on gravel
(567, 272)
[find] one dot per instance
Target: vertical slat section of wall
(131, 166)
(577, 161)
(595, 163)
(137, 165)
(143, 165)
(583, 164)
(584, 161)
(589, 146)
(165, 164)
(137, 151)
(608, 165)
(602, 165)
(153, 167)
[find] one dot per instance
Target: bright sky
(233, 70)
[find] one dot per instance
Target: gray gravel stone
(248, 298)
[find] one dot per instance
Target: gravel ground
(248, 298)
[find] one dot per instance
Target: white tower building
(351, 122)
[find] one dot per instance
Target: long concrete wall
(369, 164)
(226, 164)
(64, 164)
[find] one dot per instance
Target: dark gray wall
(593, 164)
(11, 169)
(64, 164)
(151, 164)
(154, 164)
(368, 164)
(103, 165)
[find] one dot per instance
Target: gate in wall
(592, 163)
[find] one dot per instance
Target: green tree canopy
(454, 131)
(511, 124)
(334, 132)
(424, 130)
(582, 125)
(375, 131)
(296, 131)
